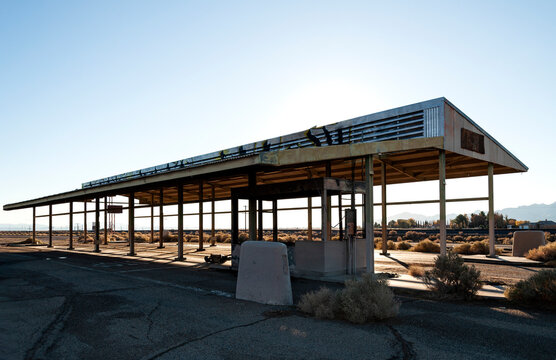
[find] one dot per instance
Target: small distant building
(540, 225)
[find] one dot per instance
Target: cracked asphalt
(59, 305)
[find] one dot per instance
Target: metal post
(328, 171)
(105, 220)
(260, 220)
(442, 191)
(212, 214)
(384, 218)
(180, 223)
(324, 216)
(369, 214)
(152, 218)
(50, 225)
(235, 221)
(34, 225)
(252, 206)
(340, 223)
(274, 220)
(131, 224)
(85, 221)
(309, 218)
(161, 220)
(201, 232)
(70, 247)
(97, 225)
(491, 224)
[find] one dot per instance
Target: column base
(199, 250)
(49, 246)
(492, 256)
(131, 254)
(97, 250)
(179, 259)
(71, 248)
(161, 247)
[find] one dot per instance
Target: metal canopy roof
(407, 139)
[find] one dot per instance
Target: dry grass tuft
(539, 290)
(361, 301)
(426, 246)
(543, 253)
(416, 270)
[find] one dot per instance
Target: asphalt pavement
(60, 305)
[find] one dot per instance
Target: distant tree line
(475, 221)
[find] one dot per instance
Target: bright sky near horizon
(91, 89)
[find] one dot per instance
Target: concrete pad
(264, 273)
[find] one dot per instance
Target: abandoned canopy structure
(430, 140)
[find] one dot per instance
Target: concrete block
(264, 274)
(525, 241)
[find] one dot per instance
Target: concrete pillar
(491, 224)
(70, 247)
(274, 220)
(34, 225)
(260, 220)
(152, 218)
(97, 225)
(131, 224)
(324, 216)
(161, 220)
(252, 207)
(50, 225)
(310, 218)
(105, 220)
(384, 217)
(201, 230)
(180, 223)
(369, 214)
(442, 191)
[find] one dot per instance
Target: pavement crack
(53, 328)
(406, 346)
(151, 322)
(184, 343)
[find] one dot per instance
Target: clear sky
(90, 89)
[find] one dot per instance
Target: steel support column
(442, 193)
(324, 215)
(491, 221)
(212, 215)
(235, 220)
(97, 225)
(152, 218)
(274, 220)
(161, 220)
(369, 214)
(252, 207)
(201, 230)
(180, 223)
(340, 222)
(309, 218)
(384, 217)
(260, 220)
(70, 247)
(131, 224)
(34, 238)
(50, 225)
(85, 221)
(105, 220)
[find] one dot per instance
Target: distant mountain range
(534, 212)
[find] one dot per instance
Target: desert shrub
(538, 290)
(141, 238)
(361, 301)
(399, 238)
(450, 276)
(392, 234)
(322, 304)
(480, 247)
(378, 243)
(243, 236)
(543, 253)
(549, 237)
(391, 245)
(458, 238)
(368, 299)
(433, 237)
(416, 270)
(507, 240)
(426, 246)
(414, 235)
(403, 245)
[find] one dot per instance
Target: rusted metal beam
(369, 215)
(201, 232)
(97, 225)
(70, 246)
(252, 207)
(180, 223)
(384, 218)
(34, 238)
(491, 236)
(50, 225)
(131, 224)
(105, 220)
(442, 195)
(161, 220)
(274, 220)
